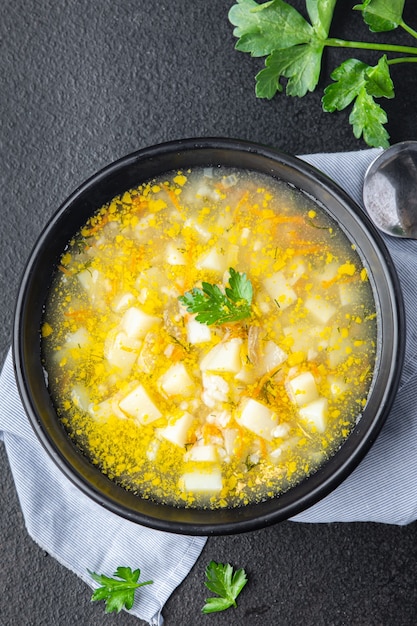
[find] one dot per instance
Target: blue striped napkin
(66, 524)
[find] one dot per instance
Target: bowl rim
(312, 489)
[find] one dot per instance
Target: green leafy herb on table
(215, 306)
(227, 584)
(117, 593)
(294, 47)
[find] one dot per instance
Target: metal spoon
(390, 190)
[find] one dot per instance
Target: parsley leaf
(117, 593)
(320, 13)
(213, 306)
(382, 15)
(262, 28)
(359, 82)
(300, 64)
(349, 79)
(367, 118)
(221, 579)
(378, 80)
(294, 48)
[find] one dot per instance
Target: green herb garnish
(294, 47)
(117, 593)
(221, 579)
(212, 305)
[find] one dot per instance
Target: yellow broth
(209, 416)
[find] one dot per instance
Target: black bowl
(129, 172)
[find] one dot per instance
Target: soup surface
(210, 338)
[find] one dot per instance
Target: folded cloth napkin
(82, 535)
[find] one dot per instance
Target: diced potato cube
(94, 283)
(339, 352)
(329, 272)
(257, 418)
(304, 337)
(264, 303)
(89, 278)
(320, 309)
(213, 260)
(337, 386)
(203, 454)
(206, 191)
(223, 357)
(121, 351)
(295, 270)
(177, 380)
(174, 256)
(139, 405)
(315, 413)
(350, 294)
(176, 432)
(106, 409)
(101, 411)
(340, 346)
(136, 323)
(280, 290)
(143, 224)
(202, 482)
(151, 278)
(122, 302)
(196, 332)
(80, 397)
(272, 357)
(302, 389)
(247, 374)
(202, 232)
(77, 339)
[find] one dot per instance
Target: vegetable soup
(210, 338)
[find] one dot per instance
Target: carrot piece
(178, 353)
(264, 379)
(101, 222)
(343, 280)
(139, 204)
(64, 270)
(173, 197)
(263, 448)
(210, 430)
(79, 315)
(239, 205)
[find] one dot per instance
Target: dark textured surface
(83, 83)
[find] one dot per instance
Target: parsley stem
(402, 60)
(409, 30)
(364, 45)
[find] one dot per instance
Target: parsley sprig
(118, 593)
(212, 305)
(294, 47)
(227, 584)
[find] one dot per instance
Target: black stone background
(84, 82)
